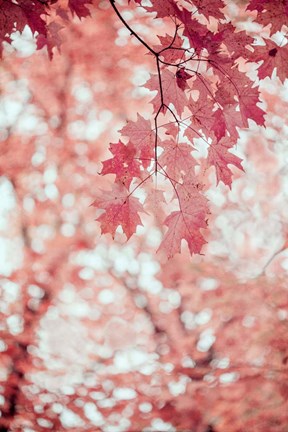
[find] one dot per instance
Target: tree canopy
(164, 120)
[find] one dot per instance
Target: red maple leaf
(79, 7)
(14, 16)
(236, 86)
(193, 29)
(272, 56)
(248, 100)
(181, 78)
(238, 44)
(270, 12)
(163, 8)
(202, 115)
(209, 8)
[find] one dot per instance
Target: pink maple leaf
(220, 157)
(248, 99)
(177, 159)
(123, 164)
(142, 137)
(172, 93)
(120, 209)
(170, 48)
(186, 224)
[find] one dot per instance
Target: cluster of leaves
(203, 95)
(14, 16)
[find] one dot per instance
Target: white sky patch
(206, 340)
(177, 388)
(106, 296)
(145, 407)
(161, 426)
(124, 393)
(208, 284)
(69, 419)
(229, 377)
(134, 359)
(24, 42)
(93, 414)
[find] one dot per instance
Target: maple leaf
(154, 204)
(172, 93)
(194, 30)
(33, 12)
(220, 158)
(226, 120)
(170, 48)
(226, 93)
(142, 137)
(248, 99)
(272, 56)
(202, 114)
(51, 40)
(205, 88)
(234, 86)
(177, 159)
(216, 50)
(120, 209)
(181, 78)
(163, 8)
(186, 224)
(258, 5)
(270, 12)
(210, 8)
(79, 7)
(123, 164)
(237, 44)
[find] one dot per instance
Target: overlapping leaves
(201, 98)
